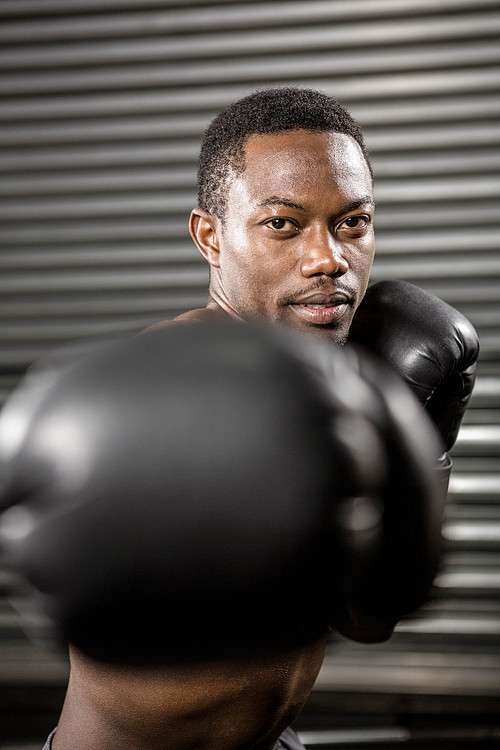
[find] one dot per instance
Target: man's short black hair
(268, 111)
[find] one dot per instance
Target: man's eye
(281, 225)
(355, 222)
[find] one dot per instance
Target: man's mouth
(321, 309)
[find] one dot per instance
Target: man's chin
(332, 334)
(339, 338)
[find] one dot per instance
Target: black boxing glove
(218, 490)
(429, 344)
(387, 567)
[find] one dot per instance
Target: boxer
(285, 220)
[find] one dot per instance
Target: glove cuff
(444, 467)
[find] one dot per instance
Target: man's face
(297, 243)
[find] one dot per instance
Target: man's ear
(203, 230)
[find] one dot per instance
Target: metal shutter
(103, 106)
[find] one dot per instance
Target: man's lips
(321, 309)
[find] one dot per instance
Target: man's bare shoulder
(201, 315)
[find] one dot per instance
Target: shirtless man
(285, 221)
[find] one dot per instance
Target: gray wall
(103, 106)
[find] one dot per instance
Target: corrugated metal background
(103, 105)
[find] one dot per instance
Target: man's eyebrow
(366, 200)
(275, 200)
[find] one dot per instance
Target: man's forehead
(325, 144)
(289, 160)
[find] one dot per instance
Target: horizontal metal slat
(60, 208)
(74, 257)
(475, 532)
(178, 247)
(490, 345)
(440, 628)
(18, 359)
(448, 606)
(62, 232)
(432, 136)
(211, 99)
(474, 464)
(389, 218)
(261, 68)
(481, 582)
(475, 511)
(443, 240)
(177, 151)
(427, 163)
(125, 180)
(91, 156)
(419, 270)
(175, 236)
(253, 42)
(41, 332)
(58, 217)
(438, 162)
(50, 7)
(412, 268)
(464, 293)
(359, 737)
(480, 438)
(451, 673)
(28, 185)
(486, 391)
(488, 484)
(474, 560)
(388, 736)
(444, 109)
(486, 317)
(341, 9)
(181, 200)
(132, 279)
(474, 416)
(182, 249)
(91, 303)
(102, 131)
(216, 17)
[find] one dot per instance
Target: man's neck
(151, 714)
(221, 706)
(217, 303)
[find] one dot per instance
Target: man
(285, 213)
(285, 220)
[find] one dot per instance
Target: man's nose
(323, 255)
